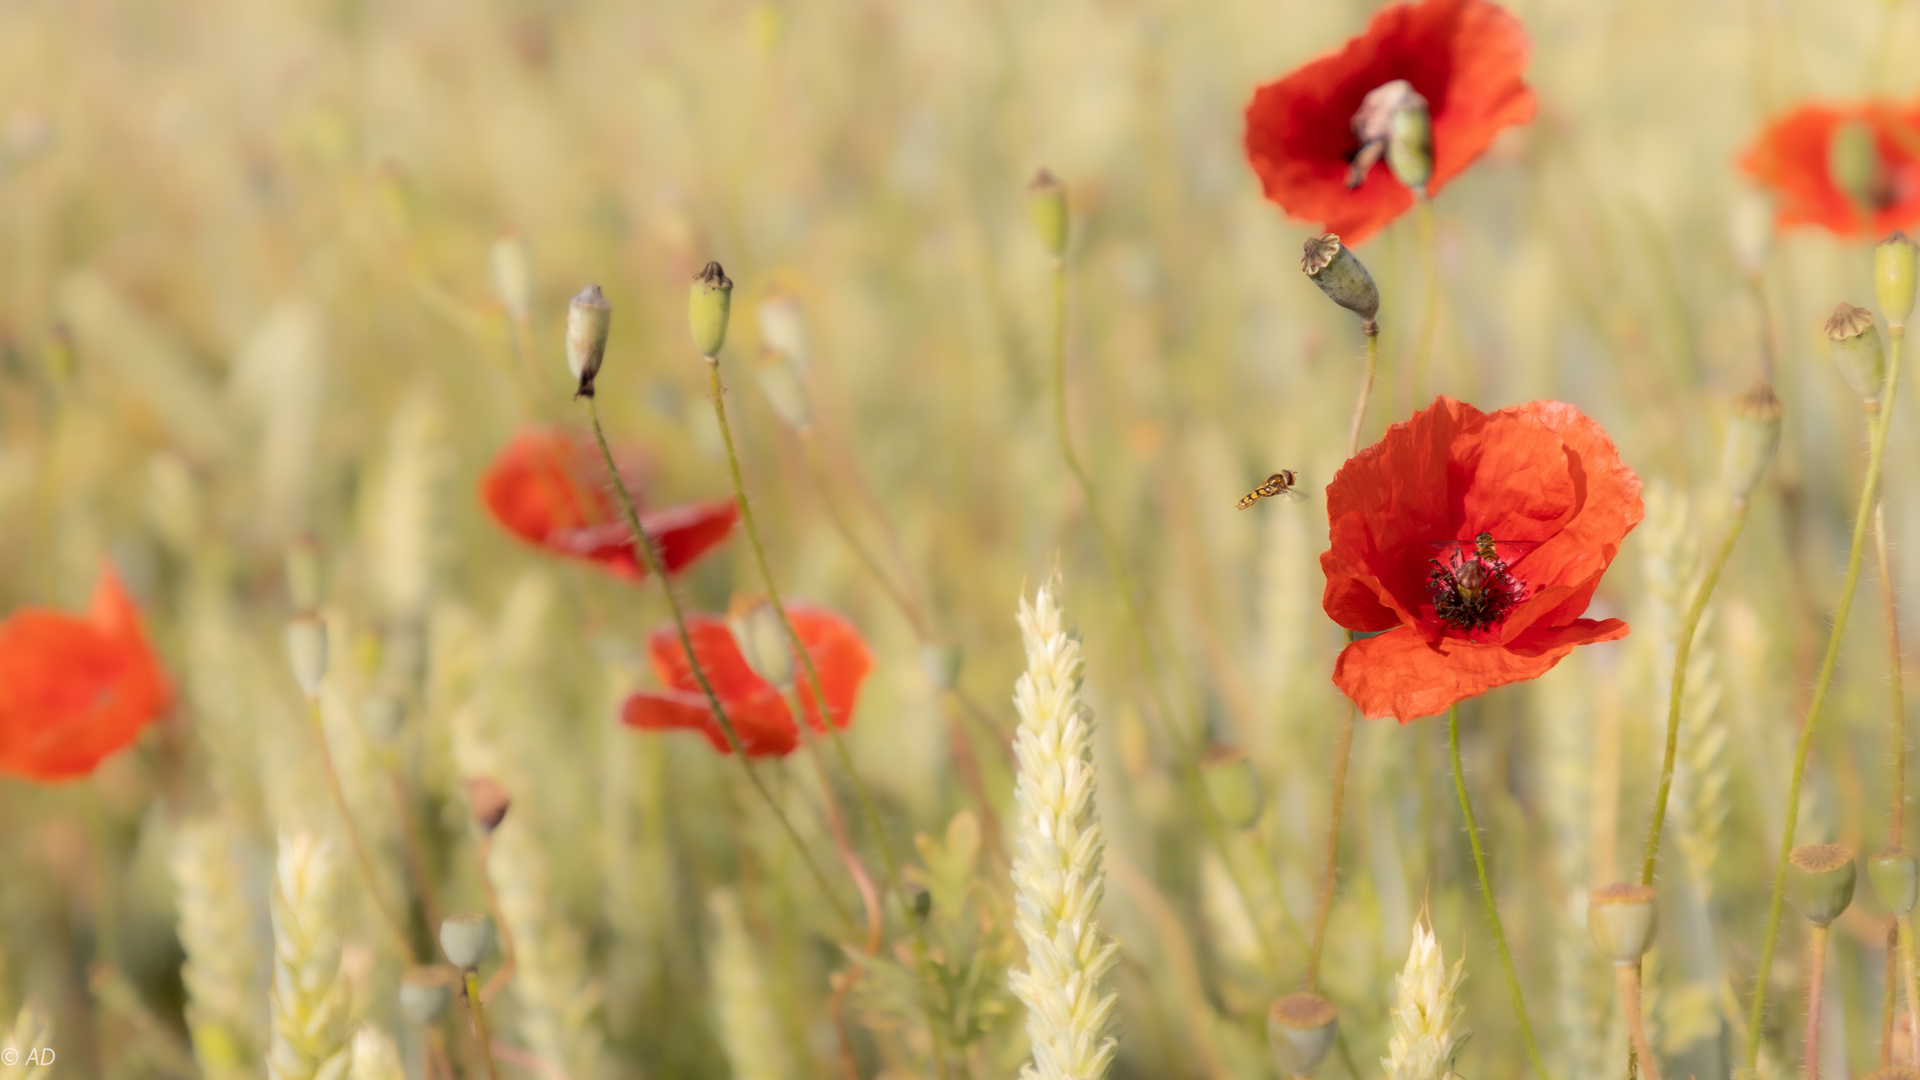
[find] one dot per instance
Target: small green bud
(1893, 277)
(1622, 918)
(423, 994)
(1820, 881)
(1047, 202)
(588, 318)
(941, 665)
(1410, 143)
(305, 587)
(1232, 786)
(466, 939)
(1341, 275)
(1753, 436)
(761, 638)
(1857, 349)
(307, 652)
(1301, 1029)
(709, 301)
(1853, 162)
(1895, 874)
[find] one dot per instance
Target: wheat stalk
(743, 1007)
(221, 974)
(310, 995)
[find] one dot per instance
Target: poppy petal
(1398, 675)
(1791, 155)
(763, 723)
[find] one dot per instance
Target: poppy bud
(1853, 161)
(761, 639)
(423, 994)
(1751, 231)
(941, 665)
(487, 802)
(513, 275)
(1893, 277)
(588, 318)
(1621, 919)
(1410, 143)
(466, 939)
(709, 301)
(307, 652)
(381, 716)
(1856, 349)
(304, 586)
(1895, 874)
(1753, 436)
(1340, 275)
(1301, 1029)
(1047, 202)
(785, 389)
(1232, 786)
(1820, 881)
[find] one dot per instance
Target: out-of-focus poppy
(1475, 540)
(1851, 169)
(550, 488)
(1465, 57)
(757, 709)
(75, 690)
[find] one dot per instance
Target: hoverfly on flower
(1278, 486)
(1473, 588)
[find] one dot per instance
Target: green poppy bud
(307, 652)
(1893, 277)
(709, 302)
(1410, 143)
(423, 994)
(1341, 275)
(1047, 202)
(588, 318)
(1301, 1029)
(1753, 436)
(1853, 162)
(1895, 874)
(1232, 786)
(466, 940)
(1622, 918)
(1820, 881)
(1857, 349)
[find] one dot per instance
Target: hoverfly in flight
(1278, 486)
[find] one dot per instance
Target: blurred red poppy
(1475, 540)
(757, 710)
(75, 690)
(1794, 158)
(1464, 56)
(550, 488)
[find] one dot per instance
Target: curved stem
(479, 1014)
(657, 567)
(1822, 683)
(1366, 386)
(1816, 984)
(510, 956)
(360, 856)
(1682, 650)
(1486, 894)
(1430, 313)
(1341, 756)
(1628, 978)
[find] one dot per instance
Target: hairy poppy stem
(1897, 720)
(1366, 387)
(471, 993)
(1869, 487)
(1816, 985)
(1678, 685)
(1486, 894)
(1430, 314)
(657, 566)
(1628, 978)
(510, 956)
(360, 856)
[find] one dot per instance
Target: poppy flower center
(1373, 125)
(1473, 589)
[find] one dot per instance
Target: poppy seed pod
(761, 639)
(1857, 350)
(1895, 874)
(1301, 1029)
(1753, 436)
(941, 664)
(487, 802)
(307, 652)
(1853, 161)
(1341, 275)
(1047, 203)
(1232, 786)
(1621, 919)
(588, 318)
(1410, 143)
(304, 585)
(1893, 277)
(786, 389)
(513, 275)
(709, 302)
(466, 940)
(1820, 881)
(423, 994)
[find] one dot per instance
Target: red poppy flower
(1545, 487)
(1464, 56)
(549, 488)
(757, 710)
(74, 690)
(1791, 157)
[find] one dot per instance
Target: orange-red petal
(1790, 158)
(1399, 675)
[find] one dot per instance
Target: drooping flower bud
(1410, 143)
(466, 940)
(588, 318)
(785, 387)
(1820, 880)
(1893, 277)
(1621, 919)
(709, 301)
(1857, 349)
(1341, 275)
(1853, 162)
(1895, 874)
(307, 652)
(487, 802)
(423, 994)
(1753, 436)
(1301, 1029)
(513, 275)
(1232, 786)
(304, 585)
(761, 639)
(1047, 202)
(941, 665)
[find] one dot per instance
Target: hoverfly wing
(1292, 494)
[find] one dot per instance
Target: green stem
(1341, 756)
(1486, 894)
(1366, 387)
(1897, 721)
(1911, 974)
(479, 1014)
(1822, 683)
(644, 544)
(1430, 313)
(1678, 686)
